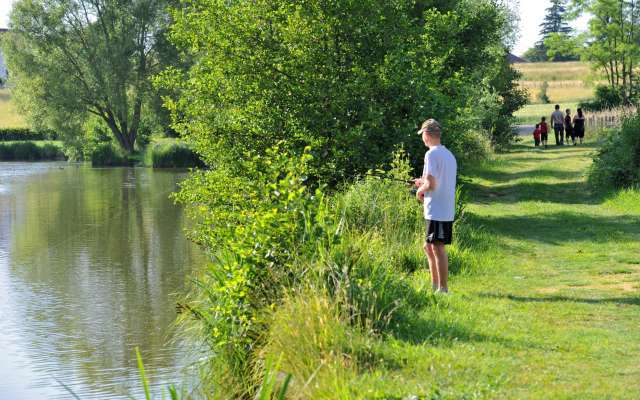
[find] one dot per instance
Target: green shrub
(18, 134)
(174, 155)
(106, 155)
(258, 222)
(30, 151)
(617, 163)
(606, 97)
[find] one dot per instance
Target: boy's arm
(428, 185)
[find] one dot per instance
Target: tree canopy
(73, 58)
(555, 35)
(613, 42)
(351, 79)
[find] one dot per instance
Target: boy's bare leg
(442, 262)
(433, 266)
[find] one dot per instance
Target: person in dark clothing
(578, 126)
(568, 128)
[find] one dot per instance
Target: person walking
(544, 131)
(578, 125)
(437, 191)
(536, 135)
(557, 121)
(568, 127)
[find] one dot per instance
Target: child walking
(536, 135)
(544, 131)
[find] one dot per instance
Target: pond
(92, 262)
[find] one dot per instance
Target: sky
(531, 15)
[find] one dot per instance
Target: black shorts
(544, 136)
(580, 133)
(439, 232)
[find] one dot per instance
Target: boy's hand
(418, 182)
(420, 194)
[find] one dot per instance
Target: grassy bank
(546, 273)
(554, 311)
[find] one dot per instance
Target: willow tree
(73, 58)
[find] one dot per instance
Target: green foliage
(496, 108)
(30, 151)
(107, 155)
(606, 97)
(174, 155)
(537, 53)
(350, 79)
(260, 223)
(17, 134)
(613, 42)
(70, 59)
(617, 163)
(563, 47)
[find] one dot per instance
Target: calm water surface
(92, 262)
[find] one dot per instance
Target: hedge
(20, 134)
(29, 151)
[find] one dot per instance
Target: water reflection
(89, 259)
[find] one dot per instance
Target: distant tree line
(611, 44)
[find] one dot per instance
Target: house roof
(513, 59)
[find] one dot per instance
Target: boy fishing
(437, 191)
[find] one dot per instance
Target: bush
(30, 151)
(17, 134)
(606, 98)
(174, 155)
(258, 222)
(106, 155)
(390, 66)
(617, 163)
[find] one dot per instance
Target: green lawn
(531, 113)
(555, 313)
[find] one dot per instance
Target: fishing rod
(389, 178)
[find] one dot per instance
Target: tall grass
(30, 151)
(171, 154)
(607, 119)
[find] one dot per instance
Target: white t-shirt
(439, 205)
(557, 118)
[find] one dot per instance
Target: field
(569, 83)
(9, 117)
(531, 113)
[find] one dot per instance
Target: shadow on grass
(420, 330)
(634, 301)
(560, 227)
(539, 173)
(576, 192)
(552, 148)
